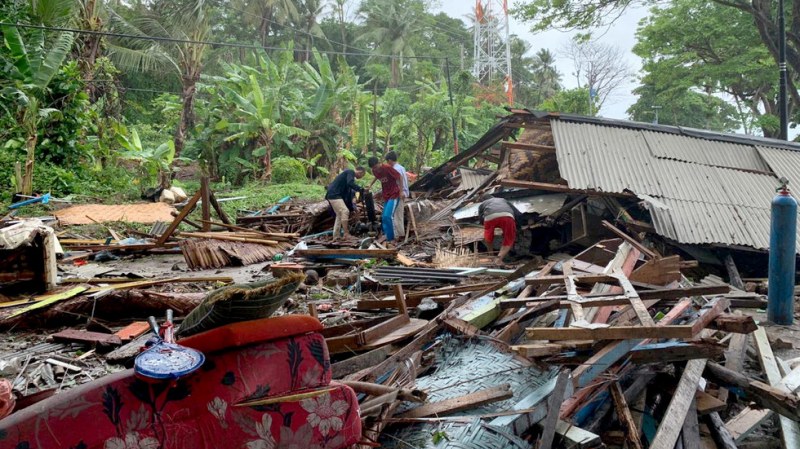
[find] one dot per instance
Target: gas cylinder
(782, 249)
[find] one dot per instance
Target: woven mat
(474, 435)
(131, 213)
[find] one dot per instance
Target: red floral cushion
(200, 411)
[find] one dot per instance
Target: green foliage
(260, 195)
(288, 170)
(572, 101)
(693, 53)
(154, 162)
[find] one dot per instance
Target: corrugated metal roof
(692, 196)
(704, 151)
(541, 204)
(471, 178)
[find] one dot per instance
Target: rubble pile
(612, 325)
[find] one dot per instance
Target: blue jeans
(387, 220)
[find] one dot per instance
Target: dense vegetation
(290, 92)
(111, 97)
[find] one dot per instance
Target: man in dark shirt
(391, 184)
(498, 213)
(340, 197)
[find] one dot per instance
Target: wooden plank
(625, 417)
(401, 300)
(709, 312)
(790, 430)
(375, 253)
(706, 403)
(774, 398)
(594, 299)
(220, 211)
(633, 242)
(187, 209)
(609, 333)
(670, 427)
(690, 432)
(746, 421)
(528, 146)
(636, 303)
(735, 324)
(413, 298)
(47, 300)
(734, 359)
(720, 434)
(581, 279)
(86, 337)
(733, 273)
(359, 362)
(205, 206)
(466, 402)
(553, 405)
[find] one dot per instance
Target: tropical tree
(390, 27)
(693, 49)
(179, 29)
(546, 76)
(571, 101)
(260, 102)
(266, 14)
(308, 11)
(30, 65)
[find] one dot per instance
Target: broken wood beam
(625, 417)
(775, 399)
(413, 297)
(553, 404)
(670, 427)
(735, 324)
(528, 146)
(457, 404)
(187, 209)
(790, 431)
(371, 253)
(610, 333)
(86, 337)
(633, 242)
(645, 295)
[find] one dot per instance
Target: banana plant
(31, 67)
(156, 162)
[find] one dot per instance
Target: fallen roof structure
(699, 187)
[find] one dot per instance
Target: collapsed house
(611, 330)
(701, 193)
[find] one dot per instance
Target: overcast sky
(621, 33)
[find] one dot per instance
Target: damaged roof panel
(703, 151)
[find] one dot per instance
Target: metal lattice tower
(492, 57)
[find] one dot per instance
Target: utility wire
(194, 42)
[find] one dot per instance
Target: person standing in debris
(390, 185)
(340, 197)
(399, 210)
(498, 213)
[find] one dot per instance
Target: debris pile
(612, 324)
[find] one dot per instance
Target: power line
(194, 42)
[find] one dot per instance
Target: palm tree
(264, 14)
(391, 25)
(545, 75)
(308, 12)
(187, 24)
(32, 66)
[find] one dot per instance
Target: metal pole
(783, 102)
(453, 112)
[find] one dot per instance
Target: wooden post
(206, 206)
(553, 406)
(401, 300)
(625, 417)
(220, 212)
(187, 209)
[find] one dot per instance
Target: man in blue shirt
(340, 197)
(399, 211)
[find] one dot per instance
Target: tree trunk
(27, 178)
(266, 140)
(264, 27)
(395, 72)
(186, 122)
(90, 48)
